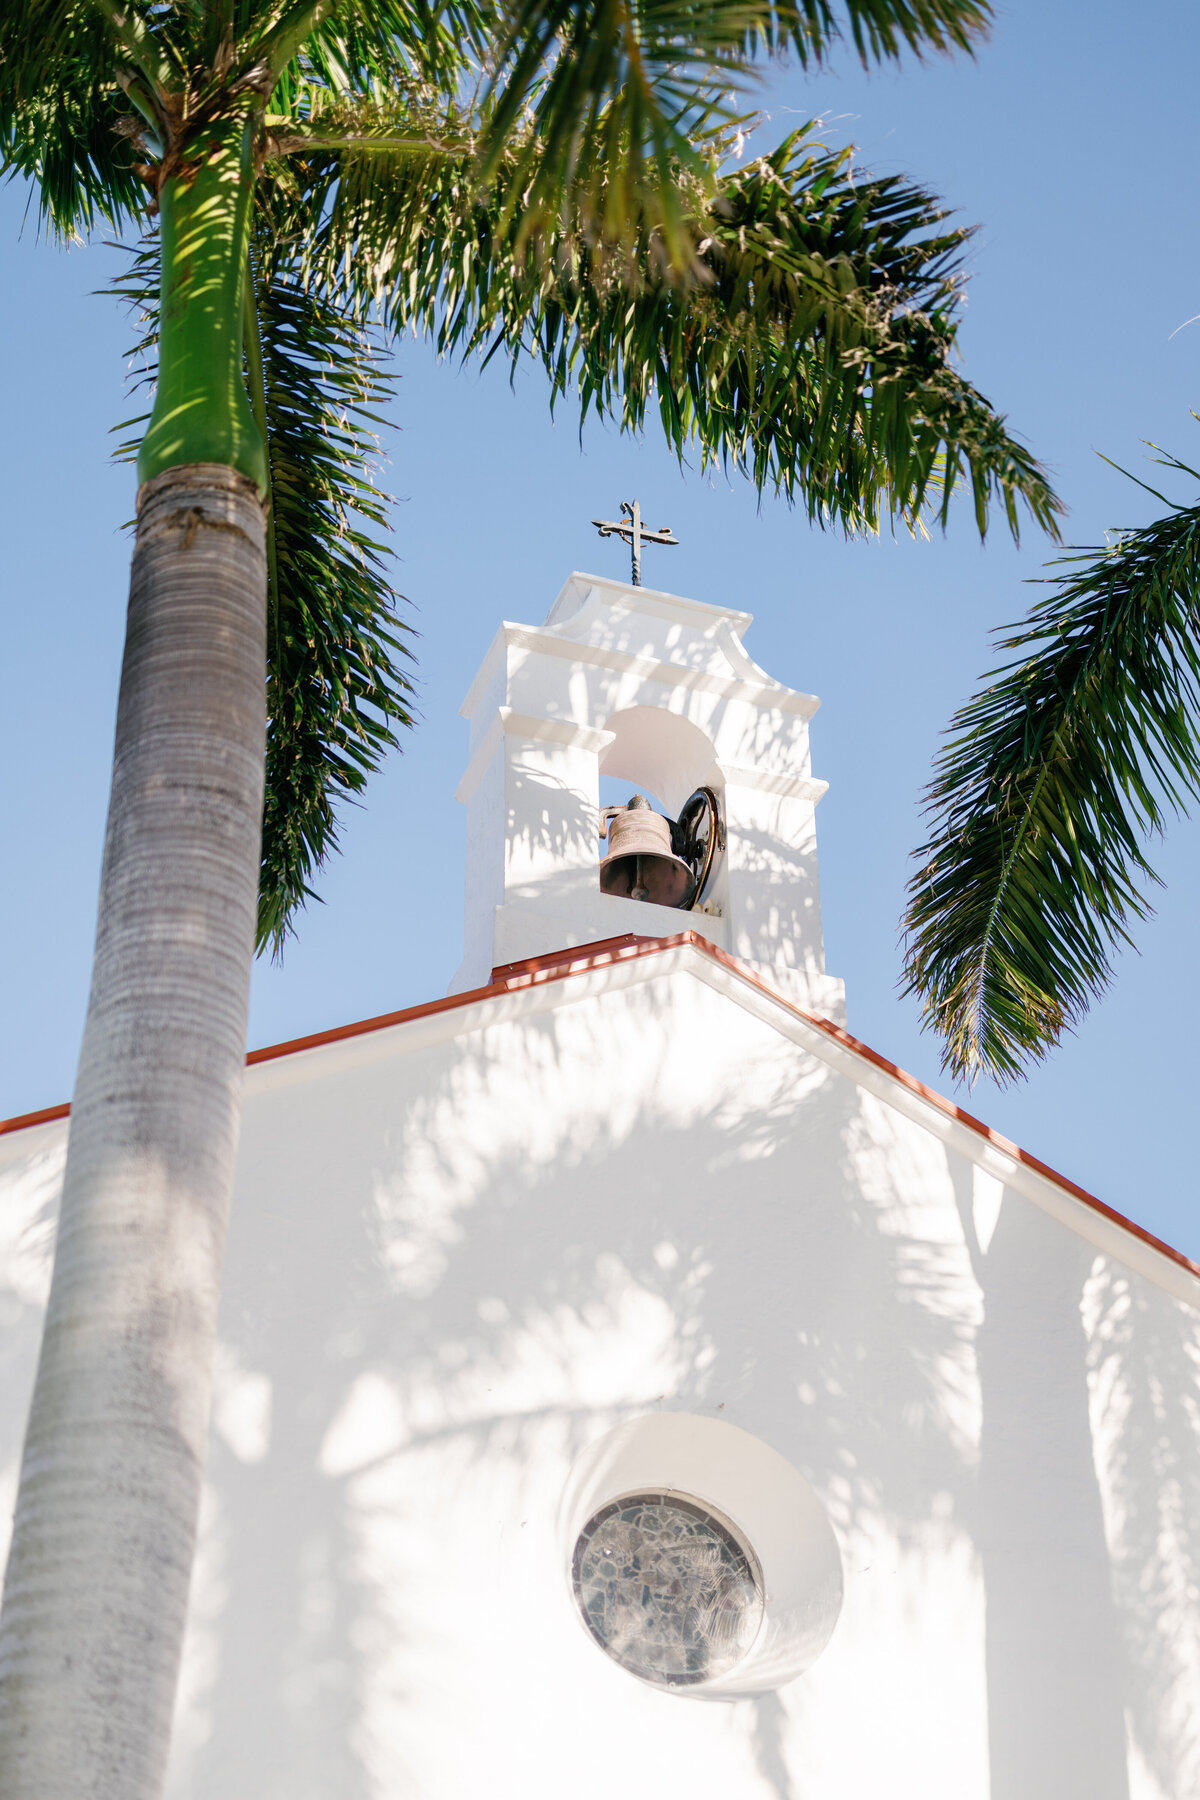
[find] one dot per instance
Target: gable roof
(563, 965)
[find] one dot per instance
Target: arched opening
(655, 762)
(659, 753)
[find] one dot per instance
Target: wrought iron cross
(632, 532)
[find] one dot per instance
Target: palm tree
(549, 178)
(1051, 780)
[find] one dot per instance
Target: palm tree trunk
(97, 1583)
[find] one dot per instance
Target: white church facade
(630, 1384)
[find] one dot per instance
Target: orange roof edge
(25, 1121)
(559, 965)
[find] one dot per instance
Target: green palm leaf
(883, 28)
(1050, 780)
(335, 648)
(622, 94)
(367, 48)
(812, 348)
(815, 355)
(61, 112)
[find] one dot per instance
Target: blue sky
(1072, 141)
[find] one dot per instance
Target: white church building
(630, 1384)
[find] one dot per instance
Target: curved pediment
(664, 632)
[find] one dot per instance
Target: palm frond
(883, 29)
(337, 690)
(816, 356)
(369, 48)
(1042, 799)
(65, 122)
(621, 94)
(812, 349)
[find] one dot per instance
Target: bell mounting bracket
(698, 836)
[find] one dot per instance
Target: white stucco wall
(466, 1246)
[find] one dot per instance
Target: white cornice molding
(766, 781)
(484, 674)
(762, 693)
(507, 723)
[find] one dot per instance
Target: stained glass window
(667, 1589)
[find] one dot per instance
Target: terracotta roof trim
(26, 1121)
(560, 965)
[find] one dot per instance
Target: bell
(640, 864)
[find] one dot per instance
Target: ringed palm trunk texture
(96, 1590)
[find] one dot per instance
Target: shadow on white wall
(461, 1302)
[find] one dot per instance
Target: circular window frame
(759, 1495)
(708, 1514)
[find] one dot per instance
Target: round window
(667, 1589)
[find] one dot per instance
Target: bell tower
(659, 691)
